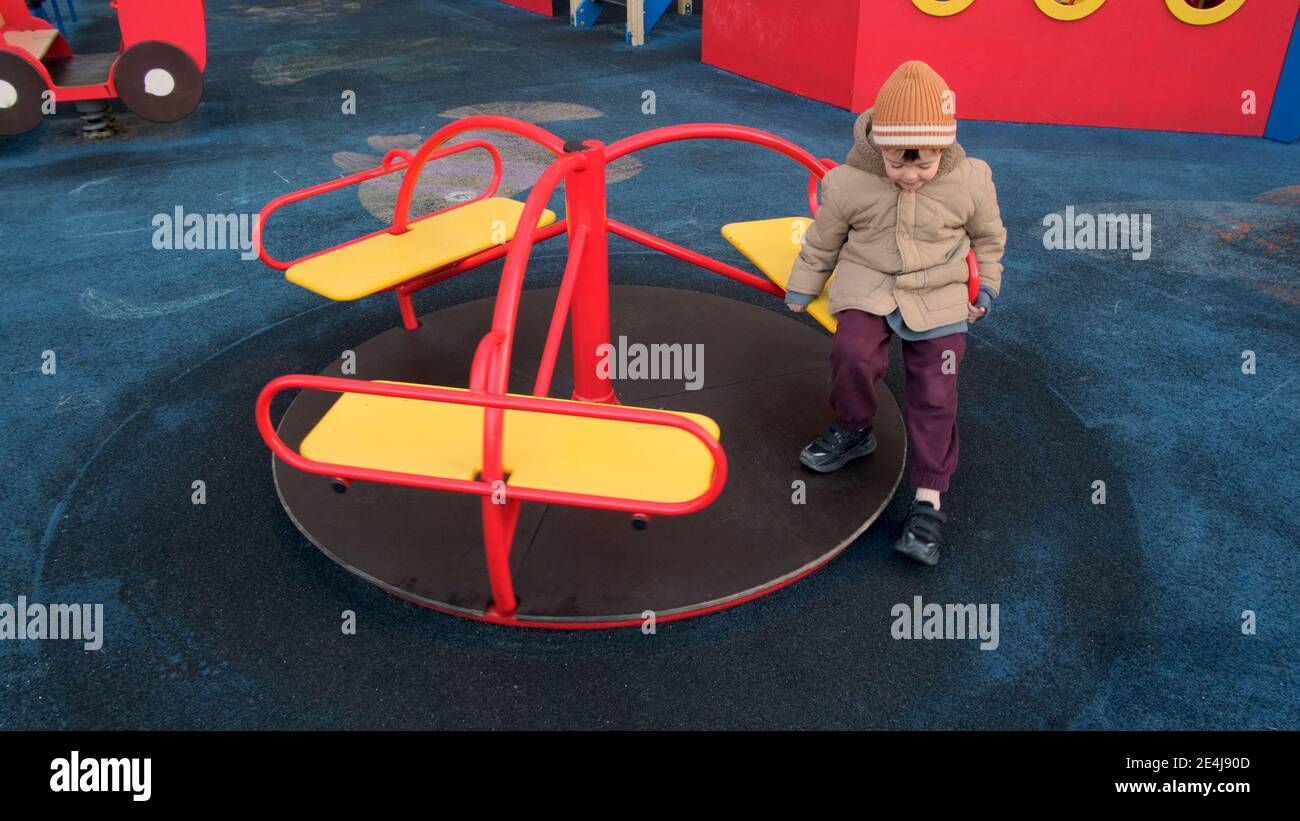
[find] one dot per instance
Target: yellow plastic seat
(36, 42)
(772, 245)
(385, 260)
(575, 454)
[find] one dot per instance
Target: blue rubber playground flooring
(1093, 367)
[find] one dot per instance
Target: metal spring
(96, 119)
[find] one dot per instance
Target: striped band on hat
(914, 136)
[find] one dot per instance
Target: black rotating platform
(765, 382)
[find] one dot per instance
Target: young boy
(895, 224)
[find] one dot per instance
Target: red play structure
(1156, 64)
(466, 445)
(157, 70)
(536, 6)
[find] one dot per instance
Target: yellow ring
(1204, 17)
(939, 9)
(1057, 11)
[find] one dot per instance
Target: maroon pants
(859, 356)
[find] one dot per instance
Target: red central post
(584, 193)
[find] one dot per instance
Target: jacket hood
(866, 156)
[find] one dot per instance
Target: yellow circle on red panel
(1075, 11)
(942, 8)
(1203, 17)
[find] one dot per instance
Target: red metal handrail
(484, 362)
(715, 131)
(817, 169)
(478, 367)
(512, 275)
(494, 372)
(560, 314)
(485, 487)
(428, 151)
(972, 276)
(694, 257)
(386, 166)
(813, 179)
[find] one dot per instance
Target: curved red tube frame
(587, 227)
(551, 350)
(715, 131)
(397, 159)
(499, 402)
(813, 179)
(429, 151)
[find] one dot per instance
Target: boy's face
(912, 175)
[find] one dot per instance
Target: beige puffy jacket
(891, 248)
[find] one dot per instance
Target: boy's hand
(798, 309)
(974, 314)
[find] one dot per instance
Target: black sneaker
(922, 535)
(836, 446)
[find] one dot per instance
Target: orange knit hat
(914, 110)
